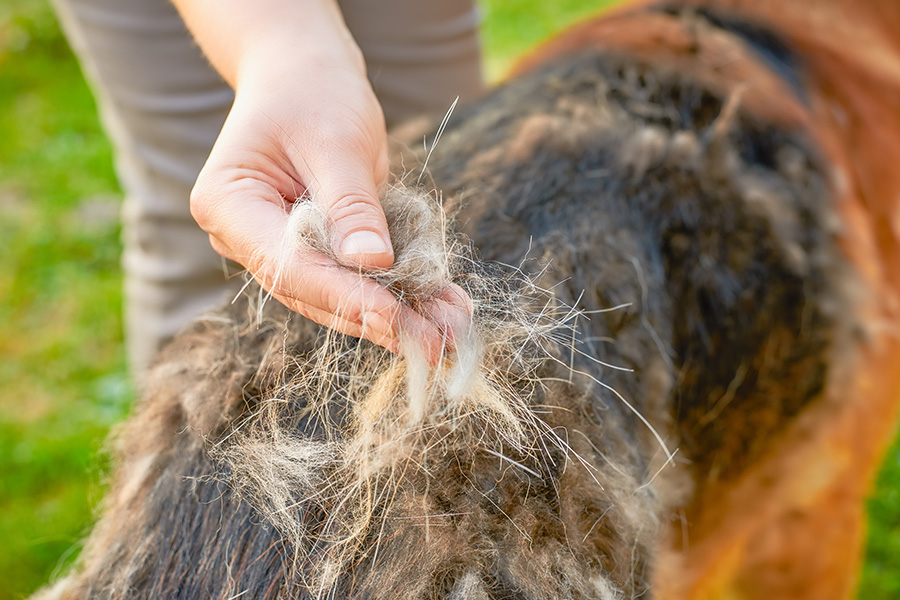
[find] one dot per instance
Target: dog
(683, 367)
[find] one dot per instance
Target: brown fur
(691, 160)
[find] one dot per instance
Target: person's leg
(420, 55)
(163, 107)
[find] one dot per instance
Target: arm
(304, 119)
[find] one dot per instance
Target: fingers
(348, 192)
(250, 229)
(360, 230)
(325, 137)
(451, 312)
(342, 157)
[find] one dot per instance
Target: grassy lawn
(63, 381)
(63, 378)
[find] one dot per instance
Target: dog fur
(726, 180)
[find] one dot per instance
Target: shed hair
(375, 414)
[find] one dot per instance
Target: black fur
(634, 186)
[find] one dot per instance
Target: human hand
(311, 125)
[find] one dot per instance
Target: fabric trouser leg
(420, 55)
(163, 106)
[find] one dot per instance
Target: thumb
(349, 172)
(360, 232)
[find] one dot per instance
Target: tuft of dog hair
(657, 268)
(377, 415)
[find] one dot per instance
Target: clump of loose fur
(346, 429)
(423, 251)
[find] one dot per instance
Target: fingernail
(363, 242)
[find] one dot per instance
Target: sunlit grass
(63, 378)
(511, 27)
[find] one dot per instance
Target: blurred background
(63, 379)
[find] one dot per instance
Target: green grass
(63, 380)
(881, 576)
(511, 27)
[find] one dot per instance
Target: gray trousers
(163, 105)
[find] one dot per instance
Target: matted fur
(380, 419)
(658, 266)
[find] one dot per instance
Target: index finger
(254, 232)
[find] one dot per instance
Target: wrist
(296, 62)
(245, 40)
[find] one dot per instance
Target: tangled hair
(657, 268)
(377, 416)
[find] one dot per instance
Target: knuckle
(341, 133)
(219, 247)
(202, 205)
(355, 205)
(360, 128)
(344, 307)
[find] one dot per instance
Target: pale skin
(304, 121)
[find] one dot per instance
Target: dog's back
(717, 211)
